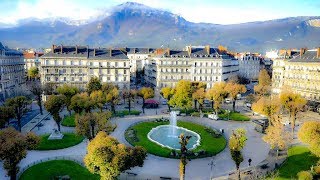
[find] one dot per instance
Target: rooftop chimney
(76, 49)
(94, 51)
(207, 49)
(61, 49)
(318, 52)
(52, 48)
(168, 51)
(189, 49)
(110, 51)
(302, 51)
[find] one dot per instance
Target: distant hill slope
(137, 25)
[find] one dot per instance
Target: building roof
(85, 52)
(9, 52)
(140, 50)
(308, 56)
(32, 55)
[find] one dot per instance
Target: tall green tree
(309, 133)
(33, 73)
(107, 157)
(89, 124)
(5, 114)
(182, 97)
(81, 102)
(233, 90)
(145, 93)
(263, 88)
(98, 99)
(184, 151)
(94, 85)
(68, 91)
(19, 105)
(130, 96)
(54, 105)
(199, 95)
(113, 98)
(37, 90)
(237, 142)
(217, 94)
(13, 149)
(167, 93)
(294, 103)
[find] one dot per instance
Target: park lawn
(68, 140)
(126, 112)
(299, 159)
(69, 121)
(235, 116)
(210, 144)
(50, 169)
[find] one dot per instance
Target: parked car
(227, 101)
(248, 105)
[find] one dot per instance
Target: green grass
(69, 121)
(126, 112)
(299, 159)
(50, 169)
(68, 140)
(208, 143)
(235, 116)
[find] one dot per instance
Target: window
(91, 71)
(72, 71)
(124, 64)
(48, 78)
(91, 63)
(64, 79)
(71, 63)
(80, 63)
(72, 78)
(116, 71)
(64, 62)
(108, 78)
(80, 70)
(108, 71)
(116, 64)
(47, 62)
(80, 79)
(116, 78)
(125, 78)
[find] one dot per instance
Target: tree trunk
(293, 124)
(13, 174)
(143, 105)
(58, 123)
(129, 104)
(212, 103)
(195, 104)
(69, 112)
(182, 168)
(40, 104)
(238, 172)
(234, 105)
(19, 123)
(92, 131)
(113, 108)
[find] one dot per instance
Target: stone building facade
(75, 65)
(12, 73)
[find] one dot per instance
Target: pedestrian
(250, 160)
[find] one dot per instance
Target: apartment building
(298, 70)
(75, 65)
(31, 59)
(11, 72)
(200, 63)
(249, 65)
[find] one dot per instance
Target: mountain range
(136, 25)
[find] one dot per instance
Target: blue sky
(211, 11)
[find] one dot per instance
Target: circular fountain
(168, 135)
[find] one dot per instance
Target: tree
(237, 142)
(217, 94)
(48, 88)
(294, 103)
(182, 97)
(145, 93)
(309, 133)
(129, 95)
(233, 90)
(107, 157)
(277, 136)
(199, 96)
(113, 98)
(54, 105)
(264, 86)
(33, 72)
(19, 105)
(13, 149)
(183, 159)
(94, 85)
(5, 114)
(268, 107)
(195, 86)
(89, 124)
(81, 102)
(37, 90)
(98, 99)
(167, 93)
(68, 91)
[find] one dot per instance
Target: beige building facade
(75, 65)
(299, 71)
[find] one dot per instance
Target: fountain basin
(168, 136)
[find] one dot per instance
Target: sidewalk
(34, 122)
